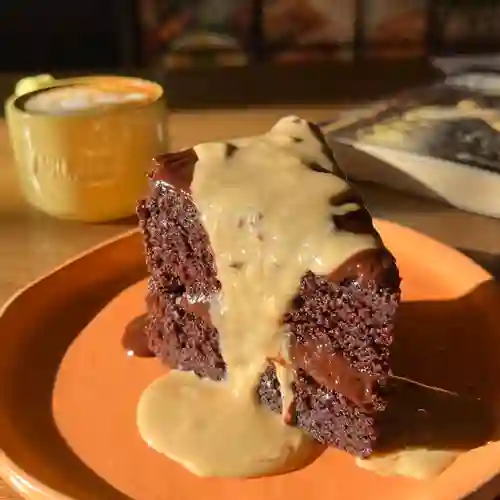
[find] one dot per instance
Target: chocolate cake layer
(178, 255)
(327, 415)
(339, 326)
(181, 335)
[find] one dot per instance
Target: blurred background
(248, 51)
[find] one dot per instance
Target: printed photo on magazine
(444, 137)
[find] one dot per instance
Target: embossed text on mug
(43, 166)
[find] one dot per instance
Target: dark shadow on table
(490, 262)
(488, 491)
(453, 345)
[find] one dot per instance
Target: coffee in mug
(78, 97)
(83, 145)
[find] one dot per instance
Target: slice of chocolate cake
(264, 262)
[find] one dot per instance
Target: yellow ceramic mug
(83, 145)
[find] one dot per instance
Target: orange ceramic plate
(69, 392)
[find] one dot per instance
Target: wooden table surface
(31, 243)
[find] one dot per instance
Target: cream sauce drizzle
(264, 209)
(419, 463)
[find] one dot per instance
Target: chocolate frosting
(374, 266)
(333, 371)
(134, 339)
(175, 169)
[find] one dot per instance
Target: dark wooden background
(89, 36)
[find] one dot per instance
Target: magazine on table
(441, 140)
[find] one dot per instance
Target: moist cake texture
(268, 277)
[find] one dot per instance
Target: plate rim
(13, 474)
(32, 488)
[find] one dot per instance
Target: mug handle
(32, 83)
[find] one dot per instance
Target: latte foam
(68, 99)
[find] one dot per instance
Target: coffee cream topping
(70, 98)
(269, 220)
